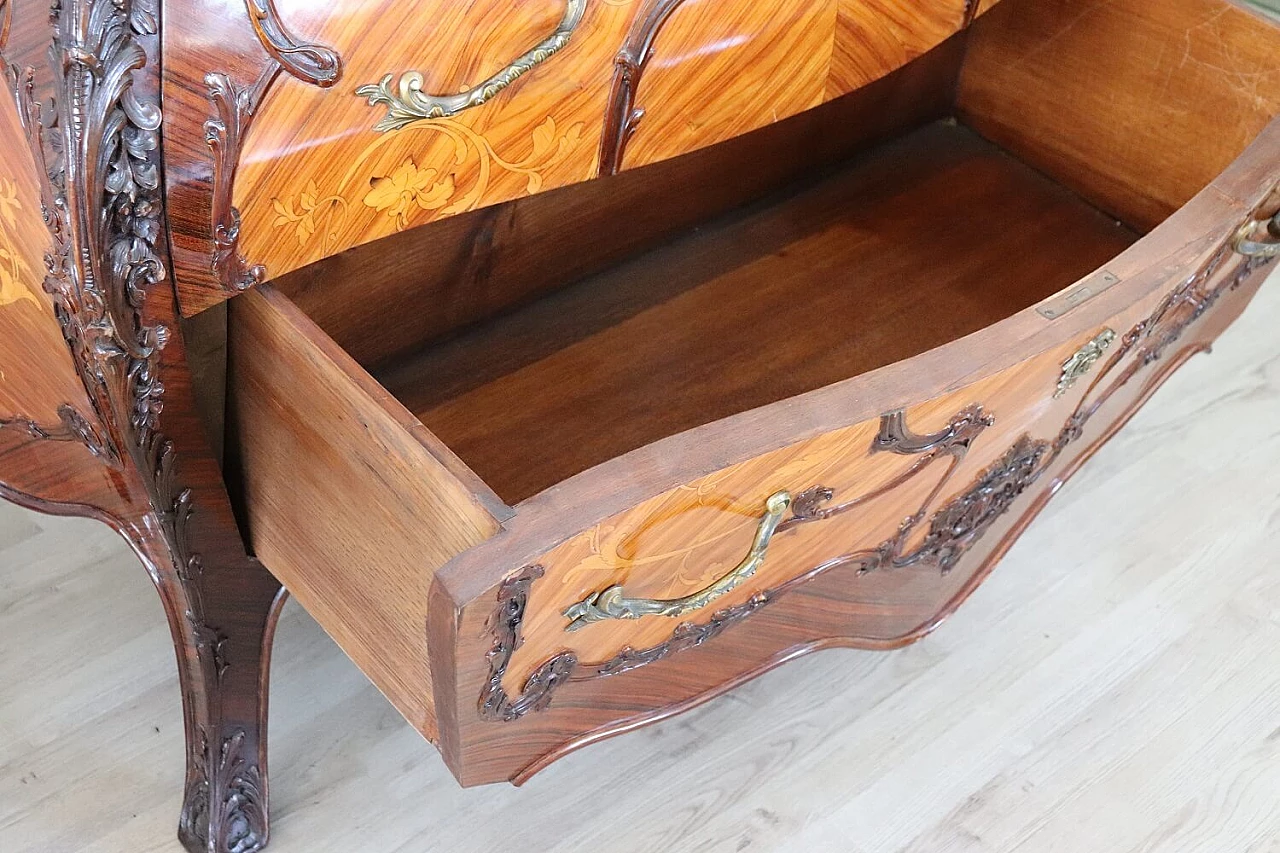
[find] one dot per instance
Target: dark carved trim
(234, 109)
(687, 635)
(970, 11)
(311, 63)
(954, 529)
(99, 156)
(896, 437)
(224, 135)
(495, 704)
(622, 117)
(962, 522)
(240, 810)
(72, 426)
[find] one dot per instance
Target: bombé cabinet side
(98, 410)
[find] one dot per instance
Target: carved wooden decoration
(953, 529)
(495, 704)
(234, 109)
(889, 487)
(98, 155)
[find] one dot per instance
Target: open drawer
(815, 421)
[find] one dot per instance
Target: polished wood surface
(38, 376)
(1124, 651)
(87, 81)
(167, 178)
(677, 543)
(1139, 127)
(348, 500)
(1188, 248)
(818, 285)
(836, 605)
(312, 176)
(471, 266)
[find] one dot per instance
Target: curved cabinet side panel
(107, 358)
(55, 454)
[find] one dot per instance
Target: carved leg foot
(223, 618)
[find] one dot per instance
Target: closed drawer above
(340, 123)
(569, 466)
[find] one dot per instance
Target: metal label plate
(1078, 295)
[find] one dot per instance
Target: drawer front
(337, 124)
(866, 535)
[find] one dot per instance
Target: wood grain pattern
(1126, 126)
(348, 499)
(415, 563)
(472, 266)
(680, 541)
(872, 35)
(583, 712)
(836, 606)
(315, 179)
(725, 67)
(1128, 636)
(802, 291)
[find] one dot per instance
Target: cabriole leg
(223, 618)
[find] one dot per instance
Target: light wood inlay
(36, 372)
(315, 179)
(677, 543)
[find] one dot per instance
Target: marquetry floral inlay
(398, 193)
(13, 270)
(415, 192)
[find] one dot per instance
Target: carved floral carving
(311, 63)
(98, 152)
(240, 811)
(495, 704)
(234, 108)
(224, 135)
(953, 529)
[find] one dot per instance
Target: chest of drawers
(574, 361)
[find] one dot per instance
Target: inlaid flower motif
(304, 221)
(457, 184)
(397, 193)
(9, 204)
(12, 268)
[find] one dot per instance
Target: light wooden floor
(1114, 687)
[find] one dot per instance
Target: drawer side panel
(349, 501)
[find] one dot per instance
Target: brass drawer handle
(612, 603)
(1249, 247)
(1083, 360)
(409, 103)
